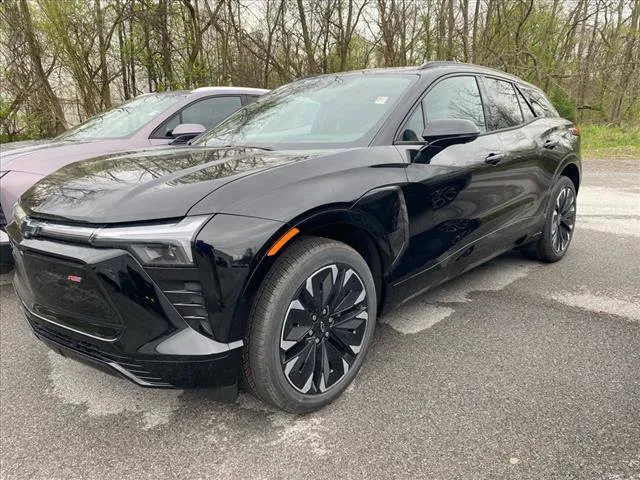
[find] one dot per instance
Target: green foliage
(564, 104)
(95, 53)
(18, 125)
(609, 141)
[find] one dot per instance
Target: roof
(466, 66)
(227, 90)
(202, 91)
(439, 64)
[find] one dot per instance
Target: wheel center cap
(322, 327)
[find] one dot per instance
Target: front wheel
(559, 224)
(311, 325)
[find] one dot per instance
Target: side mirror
(450, 131)
(185, 132)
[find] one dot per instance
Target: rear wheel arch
(569, 167)
(572, 172)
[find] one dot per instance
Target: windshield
(326, 111)
(124, 120)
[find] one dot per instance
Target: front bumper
(101, 307)
(193, 372)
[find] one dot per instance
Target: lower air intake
(188, 299)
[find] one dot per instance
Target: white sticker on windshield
(381, 100)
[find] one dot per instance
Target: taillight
(574, 131)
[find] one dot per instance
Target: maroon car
(149, 120)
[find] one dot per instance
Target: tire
(288, 332)
(560, 220)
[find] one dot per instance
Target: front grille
(66, 293)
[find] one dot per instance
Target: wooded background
(65, 60)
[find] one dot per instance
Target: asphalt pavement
(515, 370)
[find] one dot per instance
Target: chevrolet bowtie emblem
(29, 228)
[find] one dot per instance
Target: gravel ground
(515, 370)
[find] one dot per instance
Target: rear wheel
(558, 228)
(311, 325)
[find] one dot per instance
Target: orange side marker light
(281, 242)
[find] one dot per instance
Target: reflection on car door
(459, 196)
(523, 180)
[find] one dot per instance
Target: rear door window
(502, 103)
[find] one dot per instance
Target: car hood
(146, 185)
(21, 145)
(44, 157)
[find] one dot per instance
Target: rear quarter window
(541, 105)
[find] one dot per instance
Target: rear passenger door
(524, 180)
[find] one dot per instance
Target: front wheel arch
(343, 225)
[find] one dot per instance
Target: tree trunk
(105, 89)
(308, 45)
(59, 122)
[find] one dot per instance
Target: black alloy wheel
(559, 224)
(323, 330)
(311, 325)
(563, 220)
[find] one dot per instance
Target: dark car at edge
(266, 251)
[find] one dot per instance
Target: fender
(236, 269)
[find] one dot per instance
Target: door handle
(550, 144)
(494, 158)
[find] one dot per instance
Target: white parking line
(432, 307)
(601, 304)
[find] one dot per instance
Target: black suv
(268, 248)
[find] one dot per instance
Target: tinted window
(455, 97)
(337, 110)
(208, 113)
(541, 106)
(526, 110)
(211, 111)
(412, 131)
(504, 109)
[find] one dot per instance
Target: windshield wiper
(246, 146)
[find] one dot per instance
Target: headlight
(18, 213)
(159, 245)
